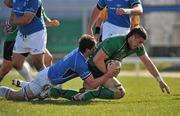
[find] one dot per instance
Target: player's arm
(8, 3)
(24, 20)
(96, 82)
(98, 29)
(99, 23)
(154, 71)
(93, 19)
(99, 60)
(135, 10)
(135, 21)
(28, 15)
(48, 21)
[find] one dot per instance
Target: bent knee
(119, 93)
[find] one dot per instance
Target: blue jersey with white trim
(112, 5)
(72, 65)
(20, 7)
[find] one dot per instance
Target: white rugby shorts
(34, 43)
(112, 30)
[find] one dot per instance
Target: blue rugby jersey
(72, 65)
(112, 5)
(28, 6)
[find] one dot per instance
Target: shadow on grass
(60, 102)
(176, 95)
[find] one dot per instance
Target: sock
(25, 72)
(55, 93)
(23, 83)
(102, 93)
(4, 91)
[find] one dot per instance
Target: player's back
(67, 68)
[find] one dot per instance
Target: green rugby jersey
(116, 48)
(11, 36)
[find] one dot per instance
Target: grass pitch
(143, 98)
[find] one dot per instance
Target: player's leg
(38, 61)
(48, 58)
(112, 89)
(38, 47)
(7, 54)
(5, 68)
(11, 94)
(18, 60)
(19, 53)
(64, 93)
(19, 83)
(7, 62)
(25, 72)
(114, 85)
(32, 90)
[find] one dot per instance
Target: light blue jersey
(72, 65)
(28, 6)
(112, 5)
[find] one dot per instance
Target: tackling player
(72, 65)
(117, 47)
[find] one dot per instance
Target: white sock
(4, 91)
(23, 83)
(25, 72)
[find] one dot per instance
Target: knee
(17, 66)
(120, 93)
(5, 70)
(39, 64)
(48, 59)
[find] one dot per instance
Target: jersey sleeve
(82, 69)
(103, 14)
(32, 6)
(133, 2)
(101, 4)
(135, 20)
(140, 51)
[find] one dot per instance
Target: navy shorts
(8, 48)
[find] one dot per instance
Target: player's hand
(52, 23)
(9, 28)
(97, 37)
(164, 87)
(120, 11)
(90, 32)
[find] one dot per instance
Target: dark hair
(86, 42)
(138, 31)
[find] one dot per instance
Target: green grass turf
(143, 98)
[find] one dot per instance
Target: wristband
(97, 30)
(128, 11)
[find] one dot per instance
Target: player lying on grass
(117, 47)
(72, 65)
